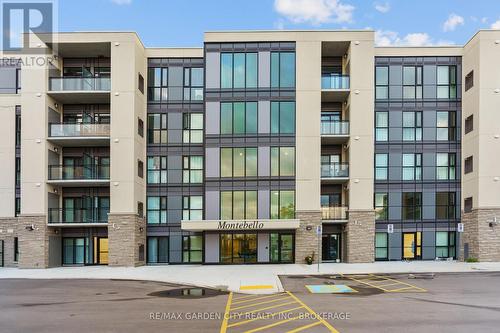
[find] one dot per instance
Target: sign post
(319, 231)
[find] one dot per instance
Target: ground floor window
(16, 249)
(192, 248)
(281, 248)
(445, 244)
(1, 253)
(381, 246)
(238, 248)
(157, 250)
(73, 251)
(330, 247)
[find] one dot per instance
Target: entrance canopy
(245, 225)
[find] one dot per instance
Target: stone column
(482, 240)
(33, 235)
(127, 240)
(8, 231)
(306, 241)
(360, 232)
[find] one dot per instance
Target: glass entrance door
(101, 250)
(330, 247)
(238, 248)
(281, 248)
(412, 245)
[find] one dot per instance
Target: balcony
(335, 173)
(94, 175)
(335, 87)
(71, 135)
(78, 217)
(80, 89)
(335, 213)
(334, 132)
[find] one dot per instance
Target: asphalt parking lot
(461, 302)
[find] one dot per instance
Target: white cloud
(122, 2)
(484, 20)
(495, 25)
(392, 38)
(315, 12)
(417, 39)
(453, 22)
(383, 7)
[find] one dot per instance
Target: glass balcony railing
(75, 130)
(334, 127)
(66, 215)
(334, 81)
(334, 170)
(334, 213)
(79, 84)
(64, 172)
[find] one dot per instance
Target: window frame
(167, 260)
(417, 86)
(379, 129)
(247, 119)
(380, 168)
(280, 71)
(245, 68)
(379, 86)
(187, 248)
(162, 170)
(279, 194)
(245, 158)
(415, 167)
(188, 209)
(381, 211)
(162, 210)
(413, 211)
(451, 166)
(452, 92)
(246, 204)
(278, 164)
(188, 172)
(188, 130)
(163, 84)
(450, 206)
(386, 247)
(451, 126)
(450, 244)
(162, 130)
(416, 129)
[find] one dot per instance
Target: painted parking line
(257, 287)
(256, 316)
(382, 282)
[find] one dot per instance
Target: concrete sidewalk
(251, 279)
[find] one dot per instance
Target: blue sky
(182, 22)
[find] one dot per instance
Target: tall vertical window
(192, 248)
(381, 126)
(192, 128)
(468, 164)
(18, 206)
(412, 126)
(282, 69)
(158, 250)
(468, 204)
(238, 118)
(157, 84)
(18, 130)
(412, 166)
(469, 80)
(445, 166)
(192, 207)
(238, 162)
(193, 84)
(381, 82)
(381, 246)
(381, 166)
(445, 244)
(157, 169)
(18, 80)
(18, 171)
(239, 70)
(447, 82)
(157, 210)
(283, 117)
(412, 82)
(283, 161)
(157, 128)
(445, 205)
(16, 249)
(282, 204)
(446, 125)
(381, 206)
(469, 124)
(411, 205)
(192, 169)
(238, 205)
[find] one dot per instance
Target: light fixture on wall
(141, 229)
(309, 227)
(56, 105)
(356, 42)
(56, 149)
(117, 44)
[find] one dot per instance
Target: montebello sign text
(244, 225)
(240, 225)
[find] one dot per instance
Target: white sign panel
(390, 228)
(460, 227)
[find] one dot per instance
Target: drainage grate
(188, 293)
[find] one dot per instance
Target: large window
(158, 250)
(193, 84)
(468, 164)
(445, 244)
(73, 251)
(238, 162)
(192, 169)
(412, 126)
(157, 84)
(16, 249)
(238, 205)
(192, 128)
(282, 204)
(381, 166)
(157, 128)
(412, 166)
(469, 124)
(381, 246)
(447, 82)
(446, 124)
(282, 69)
(381, 206)
(238, 248)
(381, 82)
(157, 169)
(238, 70)
(445, 205)
(381, 126)
(412, 82)
(18, 172)
(412, 205)
(18, 130)
(445, 166)
(192, 207)
(283, 161)
(238, 118)
(157, 210)
(283, 117)
(192, 248)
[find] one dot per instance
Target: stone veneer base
(482, 240)
(306, 241)
(360, 234)
(127, 240)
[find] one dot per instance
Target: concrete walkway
(251, 279)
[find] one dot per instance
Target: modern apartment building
(259, 147)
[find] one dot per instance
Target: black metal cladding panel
(185, 62)
(175, 107)
(249, 47)
(174, 190)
